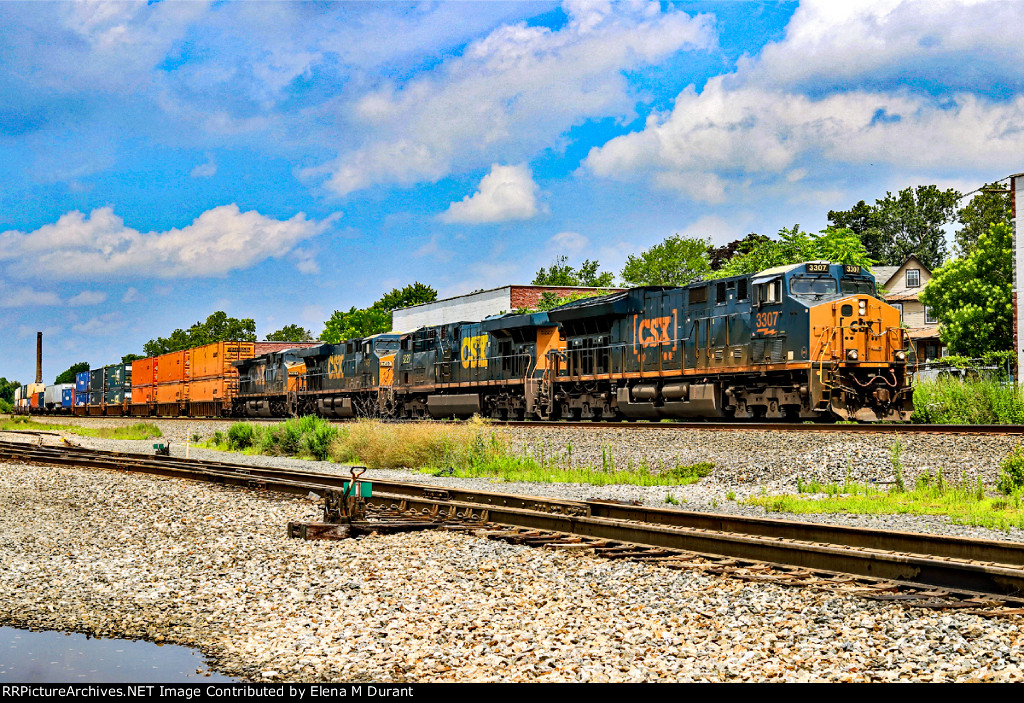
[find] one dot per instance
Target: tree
(129, 358)
(562, 274)
(990, 206)
(355, 324)
(841, 246)
(217, 328)
(69, 375)
(363, 322)
(722, 255)
(896, 226)
(7, 389)
(972, 296)
(414, 294)
(291, 333)
(677, 261)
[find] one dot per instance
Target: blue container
(67, 397)
(81, 399)
(82, 382)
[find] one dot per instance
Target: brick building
(480, 304)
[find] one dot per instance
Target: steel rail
(731, 426)
(990, 566)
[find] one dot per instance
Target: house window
(929, 319)
(899, 306)
(913, 278)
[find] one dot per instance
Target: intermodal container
(144, 372)
(97, 381)
(212, 389)
(171, 392)
(67, 398)
(36, 400)
(142, 395)
(82, 382)
(114, 396)
(212, 360)
(81, 398)
(96, 398)
(17, 395)
(173, 367)
(53, 395)
(114, 376)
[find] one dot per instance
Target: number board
(851, 268)
(817, 268)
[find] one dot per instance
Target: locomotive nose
(857, 330)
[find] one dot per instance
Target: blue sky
(160, 161)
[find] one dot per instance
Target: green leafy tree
(990, 206)
(7, 389)
(896, 226)
(562, 274)
(841, 246)
(69, 375)
(218, 327)
(363, 322)
(972, 296)
(129, 358)
(677, 261)
(722, 255)
(291, 333)
(355, 323)
(413, 294)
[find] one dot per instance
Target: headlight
(901, 356)
(863, 307)
(851, 354)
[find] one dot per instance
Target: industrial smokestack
(39, 357)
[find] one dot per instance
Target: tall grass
(964, 502)
(456, 449)
(139, 430)
(967, 402)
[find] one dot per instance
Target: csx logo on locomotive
(474, 352)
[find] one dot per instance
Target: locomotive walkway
(922, 570)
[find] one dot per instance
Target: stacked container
(143, 385)
(117, 390)
(67, 398)
(97, 384)
(214, 380)
(172, 374)
(81, 392)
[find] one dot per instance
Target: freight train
(806, 341)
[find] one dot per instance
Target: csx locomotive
(805, 341)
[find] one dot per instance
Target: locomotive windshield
(850, 286)
(383, 346)
(813, 286)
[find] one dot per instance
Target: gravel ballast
(121, 555)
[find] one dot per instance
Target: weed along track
(916, 569)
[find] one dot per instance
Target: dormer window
(913, 278)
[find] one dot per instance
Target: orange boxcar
(214, 360)
(173, 367)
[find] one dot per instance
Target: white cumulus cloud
(87, 297)
(218, 241)
(510, 94)
(506, 193)
(831, 96)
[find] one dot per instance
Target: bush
(1011, 472)
(241, 435)
(967, 402)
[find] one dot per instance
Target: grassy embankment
(140, 430)
(467, 450)
(965, 503)
(968, 402)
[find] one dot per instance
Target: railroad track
(919, 569)
(734, 426)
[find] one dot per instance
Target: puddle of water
(58, 657)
